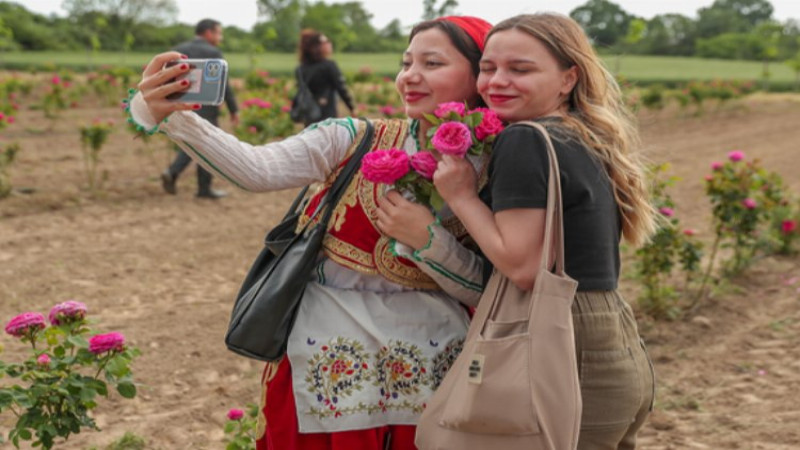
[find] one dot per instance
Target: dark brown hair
(310, 46)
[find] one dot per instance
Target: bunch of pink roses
(63, 375)
(456, 131)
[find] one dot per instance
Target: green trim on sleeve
(416, 254)
(453, 277)
(138, 126)
(224, 175)
(346, 123)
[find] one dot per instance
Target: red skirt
(279, 430)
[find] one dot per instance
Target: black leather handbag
(267, 303)
(304, 106)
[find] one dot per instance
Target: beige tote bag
(515, 384)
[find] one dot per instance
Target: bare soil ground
(163, 270)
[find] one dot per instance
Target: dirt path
(163, 271)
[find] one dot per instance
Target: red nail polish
(184, 82)
(195, 106)
(184, 66)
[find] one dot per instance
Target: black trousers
(181, 162)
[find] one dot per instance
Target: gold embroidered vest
(353, 239)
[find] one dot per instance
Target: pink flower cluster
(490, 125)
(666, 211)
(388, 110)
(385, 166)
(452, 138)
(425, 164)
(235, 414)
(8, 119)
(43, 360)
(263, 104)
(444, 109)
(749, 203)
(107, 342)
(25, 324)
(67, 312)
(736, 155)
(788, 226)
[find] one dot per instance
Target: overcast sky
(243, 13)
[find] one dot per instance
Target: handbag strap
(301, 80)
(345, 176)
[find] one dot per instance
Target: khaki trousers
(616, 374)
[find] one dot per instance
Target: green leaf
(432, 119)
(127, 390)
(78, 341)
(117, 367)
(87, 395)
(25, 434)
(229, 427)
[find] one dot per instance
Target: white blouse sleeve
(295, 161)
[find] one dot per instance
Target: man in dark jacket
(208, 34)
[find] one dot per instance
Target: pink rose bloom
(286, 108)
(689, 232)
(385, 166)
(25, 324)
(490, 125)
(666, 212)
(715, 166)
(67, 312)
(387, 110)
(445, 108)
(252, 129)
(736, 155)
(2, 116)
(749, 203)
(424, 163)
(10, 119)
(235, 414)
(709, 178)
(788, 226)
(264, 104)
(452, 138)
(102, 343)
(43, 360)
(56, 79)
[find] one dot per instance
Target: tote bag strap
(554, 218)
(553, 240)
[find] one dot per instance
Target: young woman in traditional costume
(380, 324)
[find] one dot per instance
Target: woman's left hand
(405, 221)
(455, 179)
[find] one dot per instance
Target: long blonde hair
(596, 111)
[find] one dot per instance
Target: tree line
(728, 29)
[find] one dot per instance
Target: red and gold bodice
(353, 239)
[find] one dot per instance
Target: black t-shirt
(518, 173)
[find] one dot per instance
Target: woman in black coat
(321, 74)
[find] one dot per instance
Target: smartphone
(208, 78)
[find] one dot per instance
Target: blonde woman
(542, 67)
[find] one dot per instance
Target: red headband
(475, 27)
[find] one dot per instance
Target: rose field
(83, 217)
